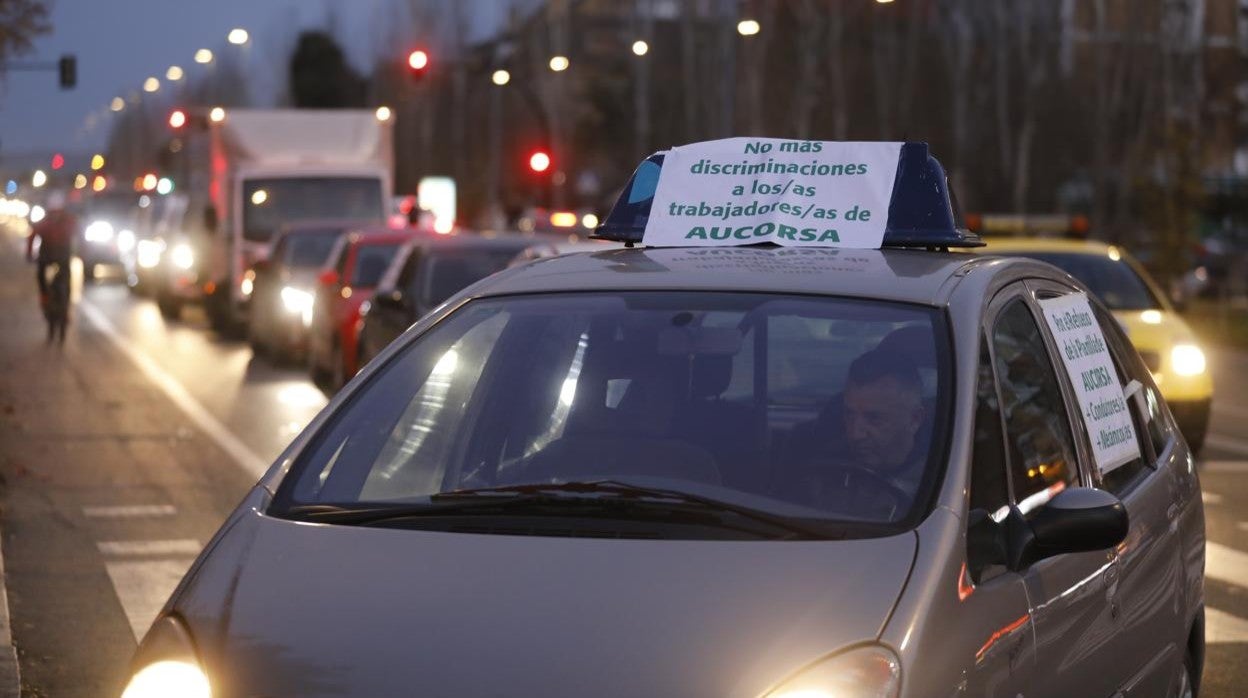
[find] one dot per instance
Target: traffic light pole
(66, 67)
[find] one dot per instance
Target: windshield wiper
(563, 498)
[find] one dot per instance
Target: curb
(10, 672)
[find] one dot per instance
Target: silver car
(711, 472)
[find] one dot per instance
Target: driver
(864, 454)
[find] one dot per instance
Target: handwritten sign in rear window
(744, 191)
(1091, 369)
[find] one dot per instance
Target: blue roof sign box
(748, 191)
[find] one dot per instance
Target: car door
(1067, 594)
(1000, 659)
(1146, 586)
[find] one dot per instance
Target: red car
(356, 264)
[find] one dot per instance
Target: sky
(119, 43)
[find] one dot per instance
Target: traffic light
(68, 69)
(177, 119)
(58, 161)
(539, 161)
(418, 62)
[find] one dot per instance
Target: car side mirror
(391, 299)
(1078, 519)
(329, 277)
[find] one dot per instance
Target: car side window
(989, 486)
(1042, 453)
(1123, 478)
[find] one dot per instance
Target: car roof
(317, 225)
(1016, 245)
(382, 235)
(901, 275)
(471, 241)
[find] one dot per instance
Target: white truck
(261, 169)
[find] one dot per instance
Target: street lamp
(559, 63)
(237, 36)
(383, 113)
(118, 104)
(748, 27)
(217, 115)
(97, 162)
(501, 77)
(151, 85)
(203, 56)
(640, 48)
(39, 179)
(174, 73)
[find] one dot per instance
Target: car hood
(1164, 330)
(286, 608)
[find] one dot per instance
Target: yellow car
(1167, 345)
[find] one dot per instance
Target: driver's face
(882, 418)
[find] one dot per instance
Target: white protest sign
(742, 191)
(1091, 369)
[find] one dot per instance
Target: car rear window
(811, 407)
(449, 272)
(371, 262)
(1113, 280)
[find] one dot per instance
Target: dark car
(284, 287)
(351, 272)
(429, 271)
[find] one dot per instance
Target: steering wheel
(849, 479)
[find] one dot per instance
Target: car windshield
(818, 409)
(310, 249)
(371, 262)
(1117, 284)
(448, 272)
(268, 204)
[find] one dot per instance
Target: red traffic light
(58, 161)
(539, 161)
(177, 118)
(418, 60)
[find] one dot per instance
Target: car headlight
(166, 665)
(296, 300)
(125, 240)
(147, 253)
(1187, 360)
(248, 284)
(182, 256)
(864, 672)
(98, 231)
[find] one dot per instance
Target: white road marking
(150, 548)
(143, 587)
(1224, 628)
(1233, 410)
(1226, 564)
(1227, 443)
(247, 459)
(1225, 466)
(129, 511)
(1210, 498)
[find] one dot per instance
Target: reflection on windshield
(810, 408)
(1114, 281)
(268, 204)
(310, 250)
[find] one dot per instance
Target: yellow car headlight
(864, 672)
(1187, 360)
(166, 665)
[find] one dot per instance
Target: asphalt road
(124, 450)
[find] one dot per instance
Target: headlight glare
(98, 231)
(147, 253)
(1187, 360)
(182, 256)
(166, 664)
(864, 672)
(296, 300)
(169, 678)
